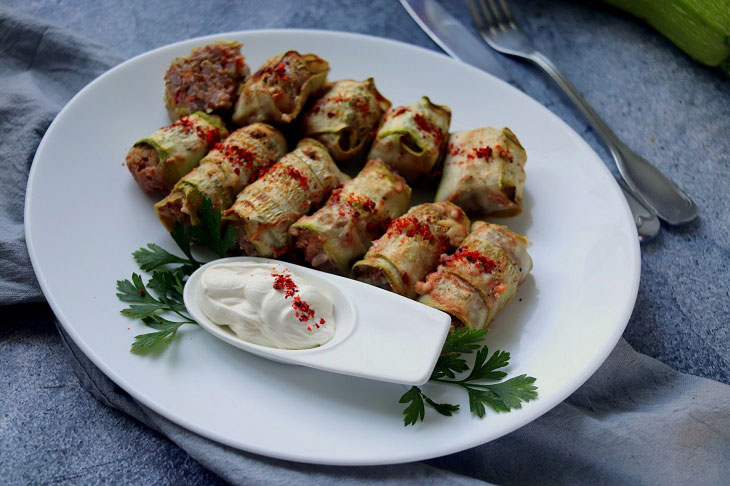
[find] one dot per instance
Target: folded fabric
(635, 421)
(41, 68)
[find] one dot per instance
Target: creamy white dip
(266, 304)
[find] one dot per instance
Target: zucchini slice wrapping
(412, 138)
(341, 231)
(223, 173)
(476, 282)
(411, 247)
(265, 209)
(484, 172)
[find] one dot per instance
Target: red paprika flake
(426, 126)
(362, 106)
(285, 283)
(363, 202)
(303, 311)
(280, 69)
(484, 264)
(185, 123)
(301, 179)
(260, 172)
(483, 152)
(236, 156)
(505, 154)
(410, 227)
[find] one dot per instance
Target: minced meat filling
(206, 80)
(143, 163)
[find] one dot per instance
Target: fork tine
(508, 14)
(500, 16)
(488, 16)
(475, 15)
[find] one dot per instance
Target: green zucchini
(701, 28)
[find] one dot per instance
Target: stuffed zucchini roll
(223, 173)
(278, 91)
(160, 160)
(484, 172)
(345, 118)
(206, 80)
(341, 231)
(411, 247)
(412, 138)
(480, 278)
(265, 209)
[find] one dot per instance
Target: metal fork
(500, 31)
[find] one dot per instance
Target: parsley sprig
(500, 397)
(159, 305)
(160, 300)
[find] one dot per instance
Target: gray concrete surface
(670, 109)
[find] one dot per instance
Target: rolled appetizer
(341, 231)
(484, 172)
(265, 209)
(223, 173)
(278, 91)
(411, 247)
(345, 118)
(206, 80)
(480, 278)
(412, 138)
(160, 160)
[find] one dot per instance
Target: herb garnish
(160, 300)
(169, 273)
(500, 397)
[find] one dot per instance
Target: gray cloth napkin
(41, 68)
(635, 421)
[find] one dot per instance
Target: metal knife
(458, 42)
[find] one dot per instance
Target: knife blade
(458, 42)
(451, 36)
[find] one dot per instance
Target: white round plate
(84, 216)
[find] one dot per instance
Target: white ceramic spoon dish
(378, 335)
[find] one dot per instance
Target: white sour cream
(245, 297)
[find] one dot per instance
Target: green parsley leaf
(515, 391)
(463, 340)
(448, 365)
(165, 333)
(169, 273)
(182, 235)
(133, 291)
(500, 397)
(478, 398)
(209, 233)
(168, 285)
(486, 370)
(154, 256)
(442, 408)
(416, 410)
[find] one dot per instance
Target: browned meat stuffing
(171, 212)
(373, 276)
(207, 80)
(311, 247)
(142, 162)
